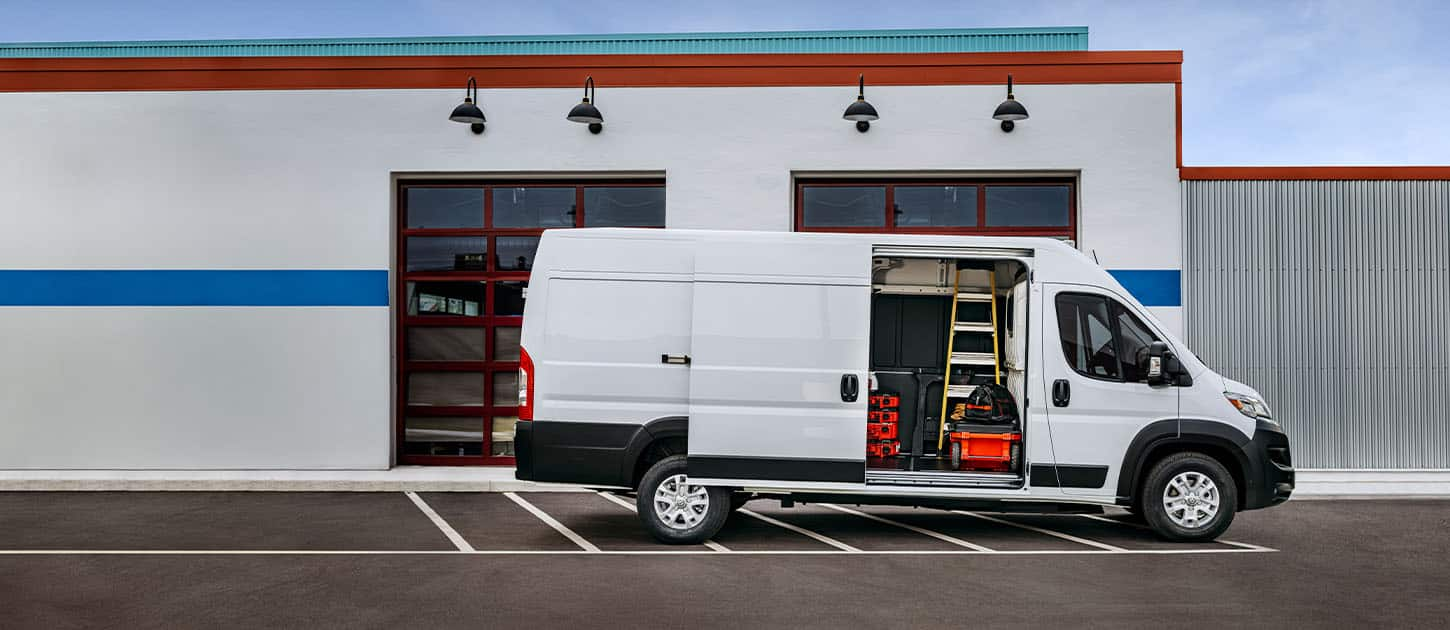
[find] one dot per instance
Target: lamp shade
(467, 112)
(1010, 109)
(860, 110)
(586, 113)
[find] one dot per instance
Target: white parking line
(1146, 528)
(615, 499)
(925, 532)
(549, 520)
(1246, 546)
(443, 525)
(801, 530)
(645, 552)
(1076, 539)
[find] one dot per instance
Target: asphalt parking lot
(504, 559)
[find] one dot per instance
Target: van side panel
(596, 325)
(776, 332)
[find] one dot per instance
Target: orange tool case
(984, 447)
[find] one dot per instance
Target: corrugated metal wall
(1332, 298)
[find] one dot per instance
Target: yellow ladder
(954, 358)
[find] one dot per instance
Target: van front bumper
(1270, 475)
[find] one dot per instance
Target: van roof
(1056, 260)
(1038, 243)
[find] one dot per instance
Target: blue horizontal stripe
(193, 287)
(1152, 287)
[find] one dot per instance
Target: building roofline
(1319, 173)
(1056, 38)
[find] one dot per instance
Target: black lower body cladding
(590, 453)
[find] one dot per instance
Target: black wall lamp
(468, 112)
(1010, 110)
(586, 112)
(861, 111)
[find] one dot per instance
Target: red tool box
(880, 431)
(880, 449)
(881, 428)
(885, 401)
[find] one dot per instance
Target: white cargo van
(706, 368)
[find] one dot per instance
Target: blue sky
(1266, 82)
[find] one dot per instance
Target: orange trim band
(1314, 172)
(551, 71)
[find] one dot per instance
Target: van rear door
(778, 361)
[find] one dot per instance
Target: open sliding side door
(779, 357)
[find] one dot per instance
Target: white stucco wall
(303, 180)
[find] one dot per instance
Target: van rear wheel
(1189, 497)
(676, 511)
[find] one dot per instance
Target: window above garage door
(1026, 207)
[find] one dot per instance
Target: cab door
(778, 361)
(1098, 399)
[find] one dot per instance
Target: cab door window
(1133, 342)
(1101, 338)
(1087, 335)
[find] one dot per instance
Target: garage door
(464, 254)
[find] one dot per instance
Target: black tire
(739, 499)
(1151, 504)
(716, 510)
(956, 455)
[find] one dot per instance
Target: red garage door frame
(491, 274)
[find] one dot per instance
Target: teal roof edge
(1029, 39)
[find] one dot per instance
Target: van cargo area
(946, 366)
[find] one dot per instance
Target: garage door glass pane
(533, 207)
(445, 389)
(443, 436)
(844, 206)
(936, 206)
(456, 299)
(516, 253)
(508, 297)
(503, 436)
(445, 207)
(506, 388)
(624, 207)
(447, 253)
(445, 344)
(506, 343)
(1028, 206)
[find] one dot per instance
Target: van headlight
(1249, 406)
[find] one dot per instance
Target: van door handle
(675, 359)
(1061, 393)
(850, 388)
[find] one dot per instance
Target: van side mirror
(1158, 364)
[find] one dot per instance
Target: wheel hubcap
(679, 504)
(1191, 500)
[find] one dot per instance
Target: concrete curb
(401, 479)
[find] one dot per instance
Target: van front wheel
(1189, 497)
(676, 511)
